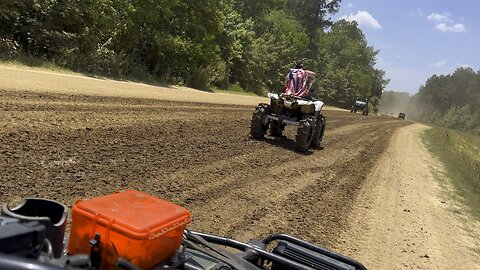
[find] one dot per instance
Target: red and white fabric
(297, 84)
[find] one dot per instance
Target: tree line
(249, 43)
(451, 101)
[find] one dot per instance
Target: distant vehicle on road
(361, 104)
(401, 116)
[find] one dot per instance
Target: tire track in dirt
(217, 187)
(272, 192)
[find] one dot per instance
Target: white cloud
(363, 18)
(458, 27)
(439, 18)
(445, 24)
(438, 64)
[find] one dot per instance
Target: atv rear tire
(318, 131)
(304, 134)
(276, 129)
(259, 122)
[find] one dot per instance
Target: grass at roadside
(459, 152)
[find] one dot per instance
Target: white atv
(360, 105)
(303, 112)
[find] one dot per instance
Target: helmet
(298, 64)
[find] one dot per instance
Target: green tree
(198, 43)
(346, 66)
(312, 14)
(451, 100)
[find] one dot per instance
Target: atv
(361, 104)
(303, 112)
(132, 230)
(401, 116)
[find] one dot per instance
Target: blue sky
(418, 38)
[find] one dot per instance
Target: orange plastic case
(133, 225)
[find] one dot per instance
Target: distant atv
(401, 116)
(303, 112)
(360, 105)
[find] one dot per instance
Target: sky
(418, 38)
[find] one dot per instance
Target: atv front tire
(259, 122)
(304, 134)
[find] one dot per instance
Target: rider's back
(297, 84)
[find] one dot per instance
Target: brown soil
(66, 147)
(66, 137)
(403, 219)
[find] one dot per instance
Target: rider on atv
(295, 107)
(297, 80)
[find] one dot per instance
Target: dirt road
(63, 145)
(403, 219)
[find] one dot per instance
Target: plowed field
(198, 155)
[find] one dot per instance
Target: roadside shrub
(200, 79)
(8, 48)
